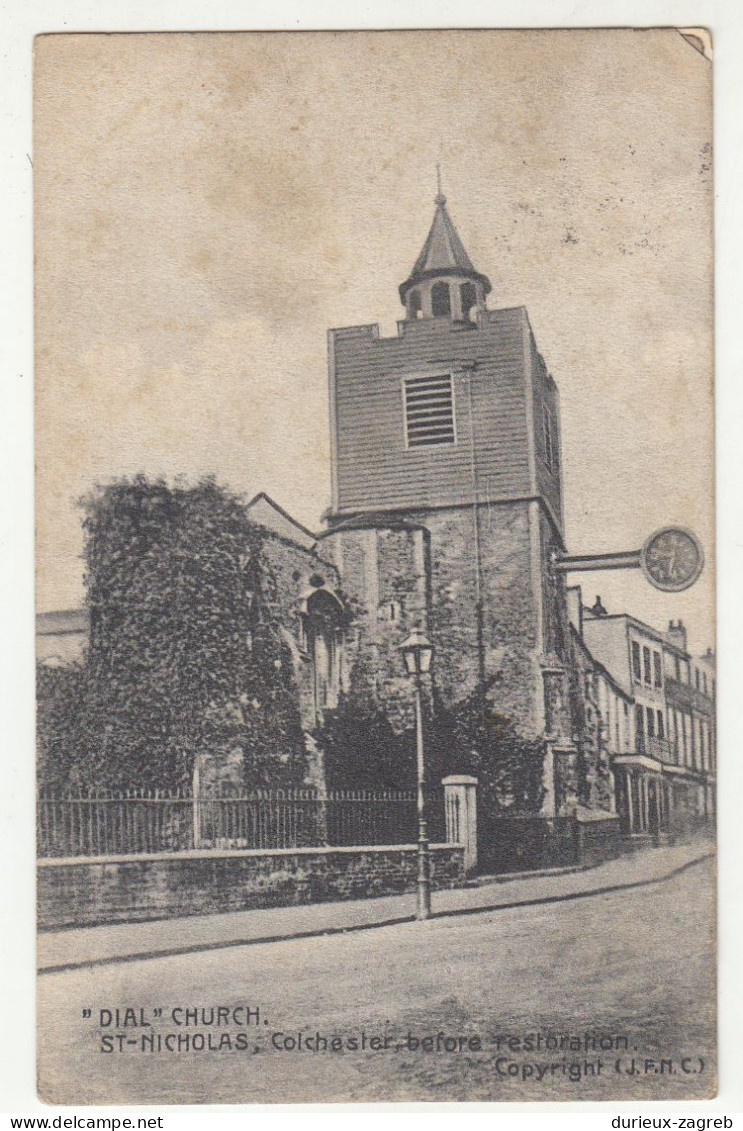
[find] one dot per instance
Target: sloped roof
(443, 253)
(266, 512)
(443, 249)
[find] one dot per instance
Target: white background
(20, 22)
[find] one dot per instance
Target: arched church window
(440, 300)
(323, 625)
(415, 304)
(468, 297)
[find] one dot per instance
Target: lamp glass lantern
(417, 652)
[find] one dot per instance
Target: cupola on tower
(443, 283)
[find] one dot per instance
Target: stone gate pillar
(196, 800)
(460, 806)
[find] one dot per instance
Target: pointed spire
(443, 249)
(443, 252)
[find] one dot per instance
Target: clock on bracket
(672, 559)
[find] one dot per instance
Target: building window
(678, 668)
(661, 726)
(429, 411)
(415, 304)
(657, 669)
(636, 669)
(323, 635)
(704, 682)
(651, 722)
(646, 665)
(440, 300)
(639, 728)
(696, 678)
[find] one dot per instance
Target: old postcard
(375, 633)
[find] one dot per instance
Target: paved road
(61, 949)
(629, 976)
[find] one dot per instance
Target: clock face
(672, 559)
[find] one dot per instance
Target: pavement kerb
(573, 894)
(535, 874)
(195, 948)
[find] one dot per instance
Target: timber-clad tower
(447, 498)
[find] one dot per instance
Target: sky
(208, 205)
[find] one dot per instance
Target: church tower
(447, 497)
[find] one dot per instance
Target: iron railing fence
(100, 823)
(662, 749)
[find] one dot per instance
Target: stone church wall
(400, 579)
(384, 577)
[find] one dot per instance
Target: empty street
(597, 998)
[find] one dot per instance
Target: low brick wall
(598, 837)
(521, 844)
(525, 844)
(95, 890)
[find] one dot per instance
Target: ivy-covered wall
(194, 659)
(199, 659)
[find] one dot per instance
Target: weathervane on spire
(440, 198)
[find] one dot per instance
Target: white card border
(725, 19)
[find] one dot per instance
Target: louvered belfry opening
(429, 411)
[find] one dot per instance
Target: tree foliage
(474, 738)
(363, 751)
(185, 652)
(61, 717)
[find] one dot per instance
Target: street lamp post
(417, 652)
